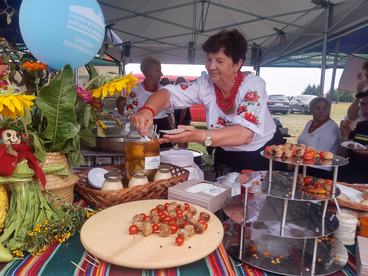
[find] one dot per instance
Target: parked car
(301, 104)
(278, 104)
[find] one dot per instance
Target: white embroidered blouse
(138, 97)
(251, 108)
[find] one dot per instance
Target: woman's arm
(227, 136)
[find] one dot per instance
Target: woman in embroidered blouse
(238, 121)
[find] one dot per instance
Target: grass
(294, 122)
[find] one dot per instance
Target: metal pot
(114, 139)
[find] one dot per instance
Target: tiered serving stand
(287, 231)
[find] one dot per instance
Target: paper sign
(352, 74)
(205, 188)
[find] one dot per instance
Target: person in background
(238, 120)
(321, 132)
(182, 116)
(165, 81)
(357, 169)
(151, 69)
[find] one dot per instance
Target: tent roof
(164, 28)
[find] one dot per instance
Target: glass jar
(164, 172)
(141, 153)
(139, 178)
(112, 181)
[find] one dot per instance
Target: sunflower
(13, 105)
(116, 86)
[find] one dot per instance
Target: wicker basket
(350, 204)
(60, 186)
(151, 190)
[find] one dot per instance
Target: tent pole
(332, 87)
(324, 52)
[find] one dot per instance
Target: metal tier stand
(303, 231)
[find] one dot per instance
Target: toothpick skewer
(337, 206)
(77, 266)
(90, 262)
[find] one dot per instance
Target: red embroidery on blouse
(184, 86)
(251, 118)
(129, 107)
(223, 122)
(135, 102)
(132, 94)
(241, 109)
(251, 96)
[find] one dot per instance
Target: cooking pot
(113, 140)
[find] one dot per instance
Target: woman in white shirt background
(238, 121)
(151, 69)
(321, 132)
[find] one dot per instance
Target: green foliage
(56, 102)
(312, 90)
(342, 96)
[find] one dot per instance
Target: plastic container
(139, 178)
(164, 172)
(363, 227)
(112, 181)
(141, 153)
(347, 228)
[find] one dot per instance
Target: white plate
(96, 177)
(173, 131)
(353, 145)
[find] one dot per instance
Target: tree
(312, 90)
(342, 96)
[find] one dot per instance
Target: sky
(286, 81)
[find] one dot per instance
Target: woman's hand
(142, 121)
(191, 134)
(344, 130)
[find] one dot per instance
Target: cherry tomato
(173, 228)
(308, 156)
(179, 240)
(328, 182)
(147, 218)
(165, 205)
(308, 180)
(162, 217)
(179, 212)
(133, 229)
(268, 149)
(201, 220)
(166, 219)
(155, 228)
(186, 206)
(205, 225)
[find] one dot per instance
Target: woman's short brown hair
(234, 43)
(318, 100)
(147, 63)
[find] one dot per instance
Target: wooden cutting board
(105, 235)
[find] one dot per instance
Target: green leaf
(5, 255)
(87, 136)
(57, 104)
(86, 115)
(37, 144)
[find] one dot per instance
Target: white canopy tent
(173, 30)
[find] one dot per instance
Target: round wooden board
(105, 235)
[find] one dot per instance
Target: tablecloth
(56, 260)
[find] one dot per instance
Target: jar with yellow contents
(141, 153)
